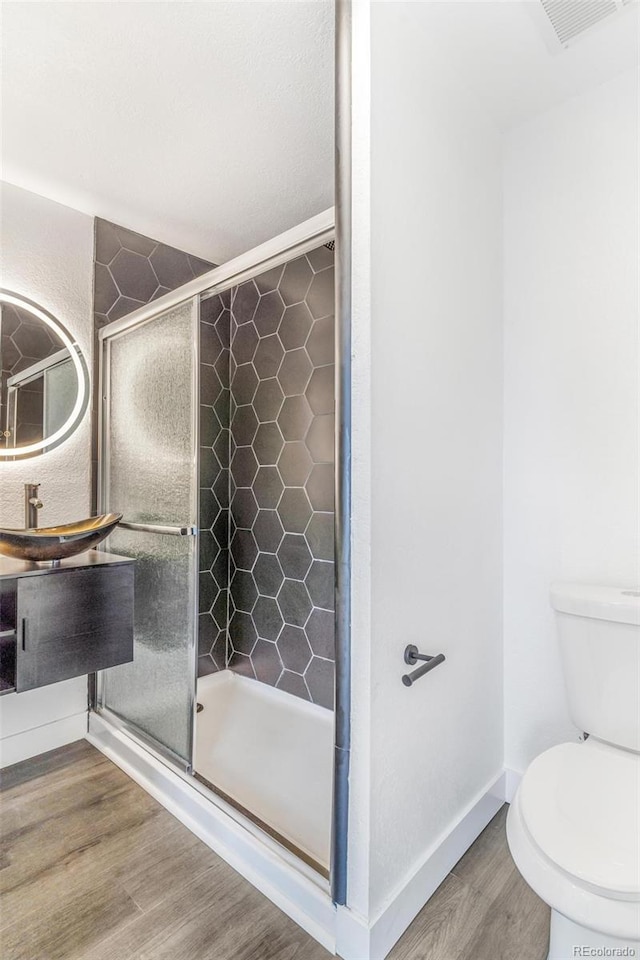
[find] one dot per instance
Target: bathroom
(477, 246)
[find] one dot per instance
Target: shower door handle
(188, 531)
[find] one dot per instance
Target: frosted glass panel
(154, 692)
(151, 455)
(150, 477)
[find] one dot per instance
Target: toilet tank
(599, 636)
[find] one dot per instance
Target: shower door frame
(107, 335)
(295, 242)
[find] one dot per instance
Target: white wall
(571, 384)
(47, 255)
(431, 524)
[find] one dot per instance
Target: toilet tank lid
(617, 604)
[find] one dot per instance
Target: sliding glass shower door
(148, 472)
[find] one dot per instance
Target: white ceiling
(494, 54)
(208, 125)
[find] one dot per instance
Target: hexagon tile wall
(267, 424)
(130, 270)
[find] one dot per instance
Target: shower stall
(217, 438)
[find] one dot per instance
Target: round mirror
(44, 388)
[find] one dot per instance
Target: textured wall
(434, 423)
(571, 217)
(47, 252)
(281, 478)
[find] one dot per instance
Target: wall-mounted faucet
(32, 503)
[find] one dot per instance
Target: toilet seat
(580, 806)
(577, 898)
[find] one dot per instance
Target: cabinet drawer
(72, 623)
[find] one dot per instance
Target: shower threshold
(270, 755)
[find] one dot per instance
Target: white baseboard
(261, 861)
(512, 782)
(357, 940)
(48, 736)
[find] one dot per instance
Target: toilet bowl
(574, 825)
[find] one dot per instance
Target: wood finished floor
(92, 868)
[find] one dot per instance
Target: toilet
(573, 827)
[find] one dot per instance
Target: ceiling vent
(562, 21)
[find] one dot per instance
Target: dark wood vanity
(64, 621)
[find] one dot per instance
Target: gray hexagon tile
(266, 662)
(268, 444)
(294, 556)
(320, 536)
(267, 618)
(268, 487)
(295, 418)
(321, 342)
(295, 280)
(134, 275)
(131, 270)
(296, 324)
(294, 603)
(267, 574)
(294, 510)
(295, 372)
(243, 425)
(320, 392)
(320, 630)
(269, 281)
(320, 295)
(321, 438)
(268, 313)
(244, 507)
(244, 302)
(268, 531)
(320, 584)
(268, 356)
(293, 683)
(244, 591)
(268, 400)
(294, 649)
(244, 466)
(244, 549)
(242, 633)
(295, 464)
(244, 384)
(106, 292)
(244, 343)
(321, 486)
(320, 678)
(172, 267)
(267, 450)
(320, 258)
(240, 663)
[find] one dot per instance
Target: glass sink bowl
(57, 543)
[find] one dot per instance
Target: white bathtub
(270, 752)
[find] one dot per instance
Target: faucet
(32, 503)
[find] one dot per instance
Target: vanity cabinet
(64, 621)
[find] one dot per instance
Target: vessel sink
(57, 543)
